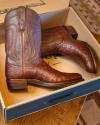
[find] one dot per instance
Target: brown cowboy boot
(56, 40)
(23, 56)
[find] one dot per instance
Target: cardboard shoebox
(52, 13)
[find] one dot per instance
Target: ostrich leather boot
(23, 54)
(57, 40)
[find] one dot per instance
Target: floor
(90, 114)
(63, 114)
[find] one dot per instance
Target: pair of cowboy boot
(23, 52)
(24, 63)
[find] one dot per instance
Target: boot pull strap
(21, 18)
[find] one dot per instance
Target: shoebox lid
(41, 6)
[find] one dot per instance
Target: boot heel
(17, 84)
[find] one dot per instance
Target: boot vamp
(80, 52)
(43, 72)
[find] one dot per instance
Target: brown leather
(70, 29)
(57, 40)
(23, 55)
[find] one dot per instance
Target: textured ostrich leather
(56, 40)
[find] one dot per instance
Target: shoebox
(52, 12)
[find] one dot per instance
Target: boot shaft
(23, 36)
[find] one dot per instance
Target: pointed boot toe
(46, 76)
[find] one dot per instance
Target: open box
(17, 104)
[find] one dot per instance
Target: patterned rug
(89, 12)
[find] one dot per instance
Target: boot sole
(21, 84)
(35, 82)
